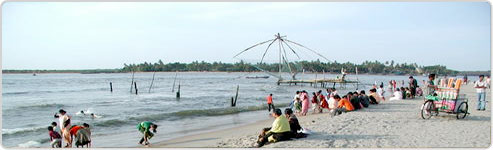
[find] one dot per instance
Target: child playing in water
(55, 138)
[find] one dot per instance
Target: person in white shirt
(397, 95)
(65, 125)
(293, 103)
(332, 102)
(381, 92)
(480, 86)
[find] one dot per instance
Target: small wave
(221, 111)
(30, 144)
(111, 122)
(41, 106)
(203, 112)
(183, 114)
(22, 130)
(54, 91)
(14, 93)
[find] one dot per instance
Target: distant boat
(256, 77)
(34, 74)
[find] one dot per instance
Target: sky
(99, 35)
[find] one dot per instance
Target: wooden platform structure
(323, 82)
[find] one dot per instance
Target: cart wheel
(462, 110)
(427, 110)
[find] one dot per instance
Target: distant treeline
(86, 71)
(371, 67)
(367, 67)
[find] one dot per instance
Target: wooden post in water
(232, 102)
(178, 93)
(132, 83)
(136, 90)
(152, 81)
(174, 81)
(111, 87)
(236, 96)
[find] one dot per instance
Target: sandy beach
(390, 124)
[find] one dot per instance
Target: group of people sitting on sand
(81, 134)
(287, 126)
(333, 102)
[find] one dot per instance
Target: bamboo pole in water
(152, 81)
(132, 83)
(174, 81)
(236, 96)
(178, 93)
(111, 87)
(136, 90)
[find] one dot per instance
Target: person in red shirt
(323, 101)
(344, 105)
(269, 102)
(55, 138)
(73, 133)
(74, 129)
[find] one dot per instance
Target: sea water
(29, 103)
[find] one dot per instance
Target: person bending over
(83, 136)
(145, 128)
(55, 138)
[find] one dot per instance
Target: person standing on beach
(412, 86)
(293, 103)
(297, 102)
(315, 103)
(269, 102)
(65, 125)
(305, 103)
(431, 84)
(145, 128)
(480, 86)
(279, 131)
